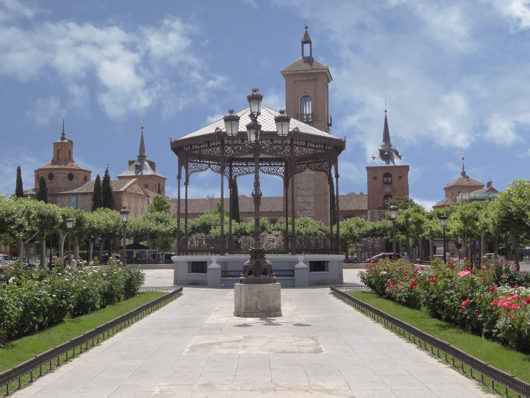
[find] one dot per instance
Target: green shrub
(34, 300)
(494, 303)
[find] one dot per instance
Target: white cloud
(501, 130)
(130, 68)
(46, 111)
(517, 11)
(426, 60)
(447, 23)
(14, 9)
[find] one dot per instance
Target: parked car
(5, 260)
(383, 256)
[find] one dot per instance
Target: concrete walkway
(194, 347)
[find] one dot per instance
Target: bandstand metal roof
(306, 147)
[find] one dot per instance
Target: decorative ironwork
(282, 153)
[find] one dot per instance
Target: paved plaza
(194, 347)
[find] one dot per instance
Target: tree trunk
(516, 253)
(90, 251)
(20, 249)
(43, 252)
(62, 239)
(76, 248)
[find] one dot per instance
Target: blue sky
(455, 76)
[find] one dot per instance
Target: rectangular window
(318, 266)
(72, 201)
(198, 267)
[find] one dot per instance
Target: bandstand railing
(272, 244)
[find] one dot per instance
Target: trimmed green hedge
(35, 300)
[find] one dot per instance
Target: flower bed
(35, 300)
(485, 302)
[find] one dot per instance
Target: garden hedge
(34, 300)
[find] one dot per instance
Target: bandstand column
(331, 204)
(222, 209)
(231, 194)
(292, 173)
(286, 203)
(337, 208)
(179, 178)
(186, 185)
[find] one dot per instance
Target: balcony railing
(305, 117)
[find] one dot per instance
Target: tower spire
(387, 153)
(63, 134)
(141, 150)
(386, 132)
(463, 172)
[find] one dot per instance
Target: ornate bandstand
(258, 140)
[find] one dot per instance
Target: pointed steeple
(387, 153)
(307, 44)
(63, 134)
(463, 172)
(386, 132)
(141, 150)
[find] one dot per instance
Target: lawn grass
(513, 362)
(18, 351)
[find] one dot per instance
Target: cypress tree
(97, 199)
(106, 188)
(19, 190)
(42, 193)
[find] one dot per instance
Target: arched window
(306, 109)
(386, 201)
(387, 179)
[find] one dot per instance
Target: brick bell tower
(386, 182)
(307, 99)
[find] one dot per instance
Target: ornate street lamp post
(393, 213)
(124, 213)
(69, 223)
(443, 220)
(258, 269)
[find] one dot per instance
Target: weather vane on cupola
(387, 153)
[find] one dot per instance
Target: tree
(352, 231)
(160, 205)
(411, 226)
(42, 193)
(19, 190)
(464, 223)
(103, 224)
(106, 192)
(511, 211)
(97, 198)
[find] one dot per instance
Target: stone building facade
(61, 173)
(143, 170)
(464, 188)
(70, 185)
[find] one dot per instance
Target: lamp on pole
(393, 213)
(69, 223)
(124, 213)
(443, 221)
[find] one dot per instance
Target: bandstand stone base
(260, 300)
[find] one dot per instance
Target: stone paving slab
(194, 347)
